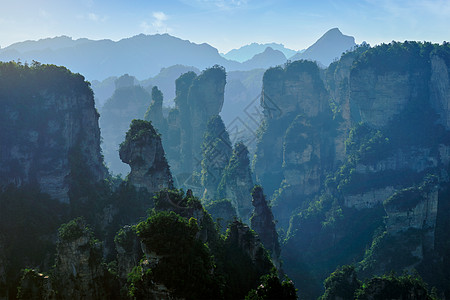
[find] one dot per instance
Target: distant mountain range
(248, 51)
(144, 56)
(265, 60)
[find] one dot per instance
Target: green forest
(344, 195)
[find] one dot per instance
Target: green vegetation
(139, 129)
(394, 287)
(125, 238)
(393, 252)
(272, 288)
(173, 239)
(341, 284)
(73, 230)
(20, 82)
(238, 167)
(406, 57)
(344, 284)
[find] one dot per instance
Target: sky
(227, 24)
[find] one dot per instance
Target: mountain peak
(328, 47)
(333, 31)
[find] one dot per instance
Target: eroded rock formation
(216, 149)
(198, 98)
(50, 129)
(129, 101)
(143, 151)
(263, 224)
(79, 273)
(237, 183)
(155, 113)
(129, 251)
(241, 236)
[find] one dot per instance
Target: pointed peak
(333, 32)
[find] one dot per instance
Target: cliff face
(440, 88)
(79, 273)
(216, 150)
(295, 90)
(143, 151)
(380, 97)
(389, 134)
(295, 145)
(198, 98)
(240, 235)
(129, 251)
(52, 129)
(205, 100)
(414, 208)
(236, 183)
(263, 224)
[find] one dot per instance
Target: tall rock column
(263, 223)
(237, 183)
(143, 151)
(79, 273)
(154, 112)
(205, 99)
(50, 133)
(216, 150)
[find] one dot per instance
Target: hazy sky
(227, 24)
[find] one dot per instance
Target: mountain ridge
(144, 56)
(322, 51)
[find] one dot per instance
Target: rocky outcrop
(440, 89)
(380, 97)
(296, 144)
(129, 251)
(143, 151)
(368, 199)
(198, 98)
(79, 272)
(337, 77)
(129, 101)
(414, 208)
(34, 285)
(155, 113)
(263, 224)
(222, 212)
(236, 183)
(295, 90)
(205, 99)
(216, 149)
(302, 157)
(242, 236)
(51, 129)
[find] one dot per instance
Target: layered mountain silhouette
(246, 52)
(144, 56)
(268, 58)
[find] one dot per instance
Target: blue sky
(227, 24)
